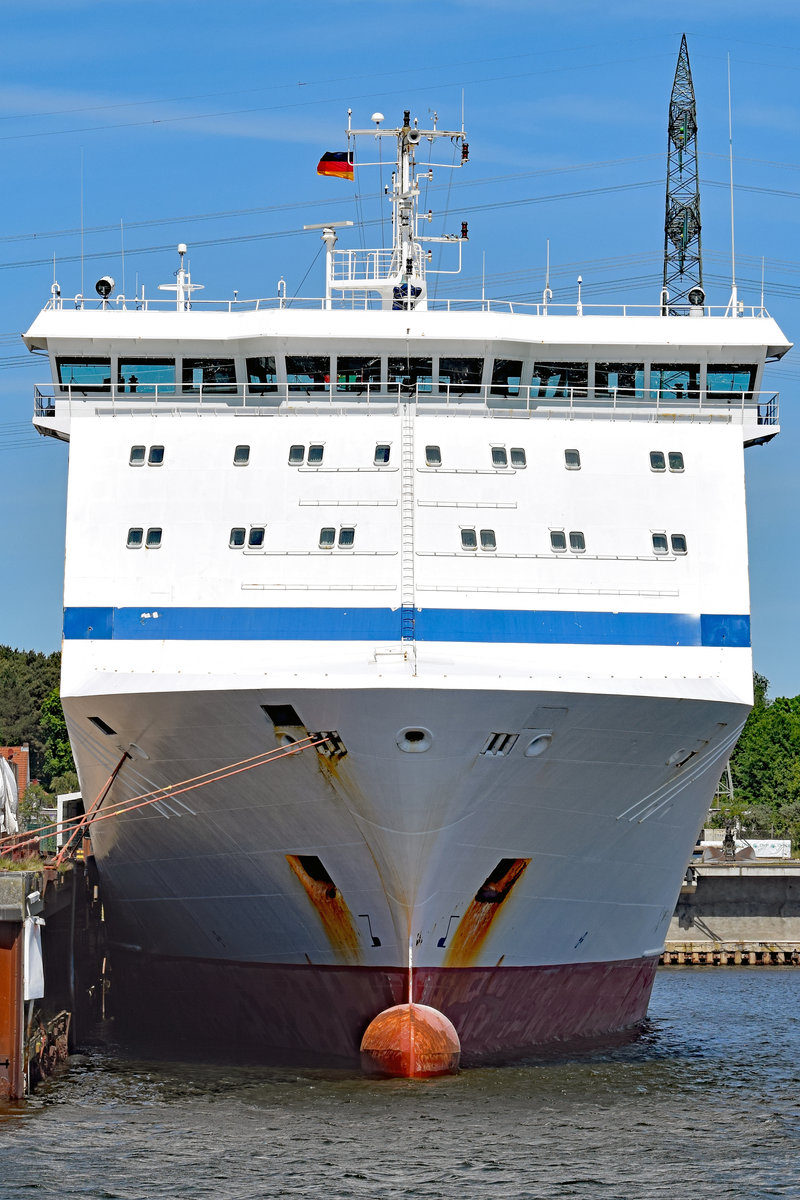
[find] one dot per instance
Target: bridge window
(146, 376)
(255, 539)
(660, 543)
(558, 540)
(730, 382)
(674, 382)
(153, 539)
(675, 460)
(241, 456)
(460, 376)
(354, 374)
(135, 538)
(433, 456)
(382, 452)
(138, 454)
(625, 380)
(261, 376)
(577, 542)
(236, 540)
(409, 376)
(657, 460)
(554, 380)
(678, 543)
(572, 460)
(85, 373)
(499, 456)
(308, 372)
(506, 376)
(518, 457)
(209, 376)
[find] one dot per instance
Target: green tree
(58, 760)
(26, 678)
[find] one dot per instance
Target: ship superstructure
(487, 560)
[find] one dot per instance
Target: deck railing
(756, 408)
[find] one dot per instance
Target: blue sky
(200, 122)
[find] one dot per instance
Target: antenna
(683, 263)
(82, 285)
(732, 305)
(547, 295)
(762, 285)
(122, 252)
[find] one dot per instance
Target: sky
(127, 127)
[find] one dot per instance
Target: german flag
(338, 163)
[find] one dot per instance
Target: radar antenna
(683, 263)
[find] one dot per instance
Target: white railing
(360, 303)
(755, 408)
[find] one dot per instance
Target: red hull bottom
(318, 1015)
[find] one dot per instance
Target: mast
(683, 263)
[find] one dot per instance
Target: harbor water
(706, 1103)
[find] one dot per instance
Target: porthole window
(572, 460)
(433, 456)
(382, 452)
(156, 456)
(347, 536)
(327, 538)
(675, 459)
(488, 540)
(518, 458)
(241, 456)
(315, 453)
(660, 543)
(499, 456)
(657, 460)
(468, 539)
(237, 537)
(135, 538)
(137, 456)
(153, 539)
(558, 540)
(577, 542)
(255, 538)
(678, 543)
(297, 454)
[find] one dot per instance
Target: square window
(347, 536)
(85, 373)
(315, 454)
(461, 376)
(572, 460)
(327, 538)
(209, 376)
(499, 456)
(237, 537)
(382, 453)
(577, 542)
(410, 375)
(506, 376)
(468, 539)
(146, 376)
(153, 540)
(256, 538)
(135, 538)
(297, 454)
(660, 543)
(156, 456)
(433, 456)
(678, 543)
(241, 456)
(518, 457)
(137, 456)
(488, 541)
(675, 460)
(308, 372)
(355, 373)
(261, 376)
(657, 460)
(558, 540)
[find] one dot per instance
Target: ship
(405, 639)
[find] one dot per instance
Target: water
(706, 1103)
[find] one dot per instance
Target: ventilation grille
(498, 745)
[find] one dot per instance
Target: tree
(58, 760)
(26, 678)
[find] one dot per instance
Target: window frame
(518, 450)
(429, 459)
(676, 454)
(241, 462)
(137, 462)
(655, 469)
(572, 466)
(672, 539)
(131, 543)
(577, 533)
(154, 538)
(497, 449)
(233, 544)
(466, 530)
(555, 533)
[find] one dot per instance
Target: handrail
(759, 408)
(350, 266)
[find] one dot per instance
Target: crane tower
(683, 263)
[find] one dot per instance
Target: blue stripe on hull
(384, 624)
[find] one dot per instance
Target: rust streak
(336, 918)
(474, 926)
